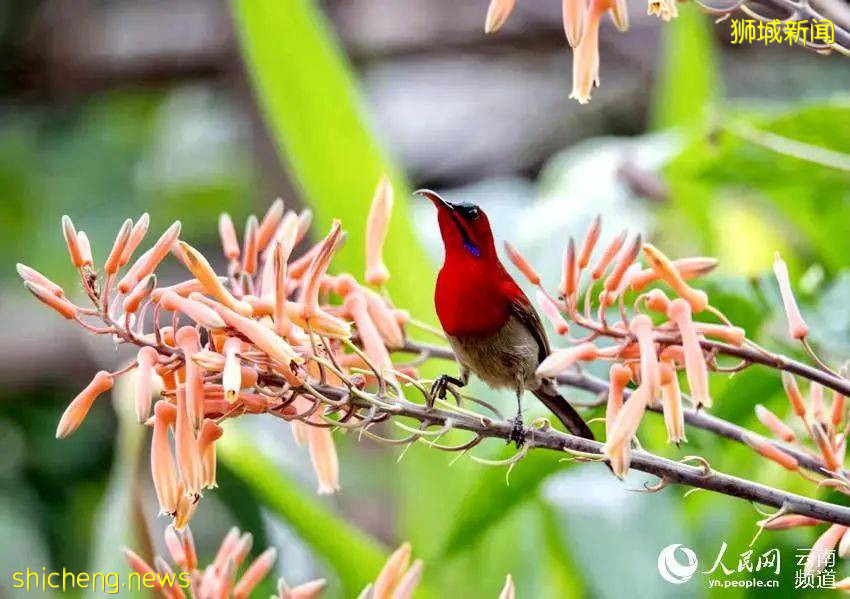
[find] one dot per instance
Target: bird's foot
(441, 387)
(518, 432)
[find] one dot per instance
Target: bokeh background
(186, 108)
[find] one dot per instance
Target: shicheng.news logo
(678, 564)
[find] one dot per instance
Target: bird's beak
(435, 198)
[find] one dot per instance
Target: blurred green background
(184, 109)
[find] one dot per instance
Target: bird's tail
(560, 407)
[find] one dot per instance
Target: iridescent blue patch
(472, 249)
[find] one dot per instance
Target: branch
(668, 471)
(697, 419)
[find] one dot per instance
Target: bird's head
(464, 227)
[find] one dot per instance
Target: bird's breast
(506, 358)
(469, 301)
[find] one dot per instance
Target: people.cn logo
(671, 569)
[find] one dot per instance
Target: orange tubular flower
(200, 313)
(85, 248)
(837, 409)
(308, 590)
(788, 521)
(695, 368)
(231, 375)
(561, 359)
(671, 402)
(137, 564)
(825, 544)
(323, 455)
(189, 341)
(146, 359)
(45, 296)
(268, 226)
(77, 410)
(830, 460)
(774, 424)
(497, 13)
(797, 327)
(770, 451)
(377, 273)
(140, 292)
(608, 255)
(589, 242)
(33, 276)
(186, 448)
(619, 12)
(210, 433)
(318, 267)
(391, 573)
(625, 425)
(202, 270)
(688, 268)
(657, 301)
(255, 573)
(522, 264)
(148, 262)
(140, 229)
(113, 261)
(650, 374)
(72, 241)
(619, 376)
(667, 272)
(794, 395)
(552, 313)
(227, 232)
(249, 250)
(162, 461)
(373, 344)
(263, 338)
(569, 278)
(573, 14)
(586, 54)
(384, 319)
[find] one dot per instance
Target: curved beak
(435, 198)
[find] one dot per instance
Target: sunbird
(491, 325)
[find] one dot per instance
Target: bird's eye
(473, 213)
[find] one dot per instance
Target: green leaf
(495, 495)
(688, 74)
(119, 516)
(315, 113)
(355, 557)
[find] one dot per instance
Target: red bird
(491, 325)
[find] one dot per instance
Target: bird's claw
(518, 432)
(440, 388)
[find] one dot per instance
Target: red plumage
(494, 330)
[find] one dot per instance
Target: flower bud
(552, 313)
(269, 224)
(227, 232)
(377, 224)
(113, 261)
(695, 368)
(522, 264)
(797, 328)
(773, 423)
(60, 304)
(770, 451)
(77, 410)
(561, 359)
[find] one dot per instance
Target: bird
(491, 325)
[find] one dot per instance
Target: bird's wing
(522, 310)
